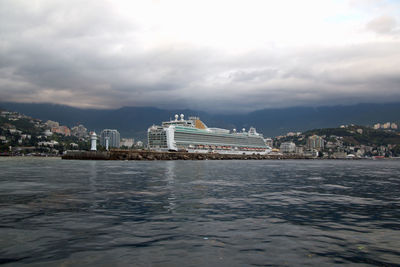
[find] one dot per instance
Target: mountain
(134, 121)
(279, 121)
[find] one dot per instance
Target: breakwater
(152, 155)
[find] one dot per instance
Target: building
(139, 144)
(52, 124)
(291, 134)
(339, 155)
(299, 150)
(386, 125)
(79, 131)
(288, 147)
(127, 142)
(269, 142)
(64, 130)
(113, 138)
(315, 142)
(47, 133)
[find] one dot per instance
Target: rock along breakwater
(153, 155)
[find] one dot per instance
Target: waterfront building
(299, 150)
(393, 126)
(315, 142)
(339, 155)
(113, 137)
(139, 144)
(288, 147)
(127, 142)
(269, 142)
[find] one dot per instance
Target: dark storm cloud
(85, 54)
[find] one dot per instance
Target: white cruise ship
(194, 136)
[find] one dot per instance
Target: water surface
(199, 213)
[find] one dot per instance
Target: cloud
(382, 24)
(207, 56)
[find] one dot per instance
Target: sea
(57, 212)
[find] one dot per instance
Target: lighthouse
(107, 141)
(93, 140)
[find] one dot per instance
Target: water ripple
(199, 213)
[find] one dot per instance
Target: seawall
(152, 155)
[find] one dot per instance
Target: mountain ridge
(134, 121)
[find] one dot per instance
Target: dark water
(199, 213)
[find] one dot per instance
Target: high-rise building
(112, 136)
(315, 142)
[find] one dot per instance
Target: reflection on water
(191, 213)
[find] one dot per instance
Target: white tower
(93, 139)
(107, 138)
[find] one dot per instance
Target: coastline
(153, 155)
(145, 155)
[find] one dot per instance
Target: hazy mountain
(134, 121)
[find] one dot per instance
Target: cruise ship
(192, 135)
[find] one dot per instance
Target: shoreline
(145, 155)
(153, 155)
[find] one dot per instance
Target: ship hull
(229, 152)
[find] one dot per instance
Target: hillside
(24, 134)
(359, 135)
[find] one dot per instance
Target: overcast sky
(216, 55)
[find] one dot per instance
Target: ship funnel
(182, 116)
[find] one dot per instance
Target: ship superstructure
(194, 136)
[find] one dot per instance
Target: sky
(218, 56)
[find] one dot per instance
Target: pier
(153, 155)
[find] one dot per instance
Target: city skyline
(221, 56)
